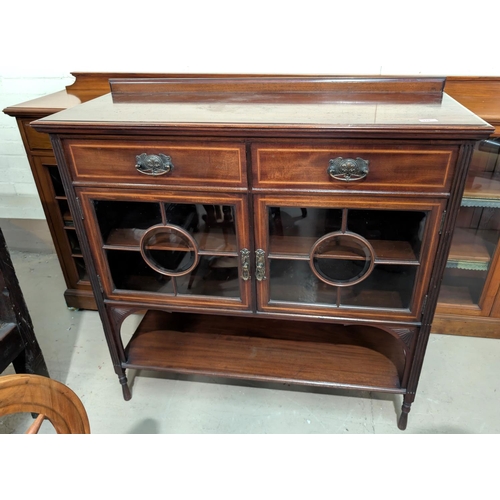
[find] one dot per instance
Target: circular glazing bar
(169, 250)
(342, 259)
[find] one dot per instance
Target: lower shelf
(358, 357)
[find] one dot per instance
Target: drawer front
(187, 163)
(400, 168)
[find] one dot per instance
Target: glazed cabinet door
(472, 276)
(179, 249)
(344, 255)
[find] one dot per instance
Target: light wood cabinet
(469, 302)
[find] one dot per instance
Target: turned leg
(127, 395)
(405, 409)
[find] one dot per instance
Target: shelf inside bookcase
(287, 247)
(306, 353)
(482, 191)
(130, 238)
(462, 288)
(472, 249)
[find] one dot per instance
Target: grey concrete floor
(459, 390)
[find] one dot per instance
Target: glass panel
(130, 272)
(74, 243)
(477, 231)
(394, 234)
(483, 180)
(388, 286)
(293, 281)
(212, 226)
(462, 287)
(294, 230)
(81, 269)
(65, 213)
(213, 276)
(124, 222)
(475, 240)
(56, 181)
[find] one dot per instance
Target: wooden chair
(49, 398)
(18, 343)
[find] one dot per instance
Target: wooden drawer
(391, 168)
(194, 164)
(36, 140)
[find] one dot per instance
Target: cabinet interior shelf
(305, 353)
(212, 243)
(456, 296)
(472, 250)
(480, 202)
(482, 192)
(289, 247)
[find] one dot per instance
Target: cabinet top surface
(271, 106)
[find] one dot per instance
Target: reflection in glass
(212, 226)
(130, 272)
(293, 281)
(293, 230)
(213, 276)
(56, 181)
(74, 243)
(81, 269)
(124, 222)
(405, 229)
(388, 286)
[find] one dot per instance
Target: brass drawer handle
(154, 164)
(348, 169)
(245, 264)
(260, 265)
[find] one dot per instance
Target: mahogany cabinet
(469, 303)
(291, 229)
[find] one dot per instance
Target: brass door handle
(159, 164)
(260, 265)
(245, 264)
(348, 169)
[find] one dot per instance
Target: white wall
(41, 42)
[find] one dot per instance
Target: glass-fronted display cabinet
(333, 257)
(471, 281)
(193, 249)
(336, 256)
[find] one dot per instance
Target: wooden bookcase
(469, 302)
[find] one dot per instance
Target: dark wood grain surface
(311, 354)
